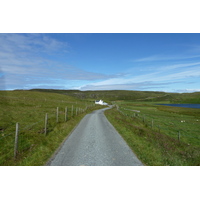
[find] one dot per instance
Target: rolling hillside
(117, 95)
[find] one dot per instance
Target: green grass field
(159, 135)
(152, 132)
(29, 108)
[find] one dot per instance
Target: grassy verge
(153, 146)
(47, 145)
(29, 109)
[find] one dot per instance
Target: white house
(101, 102)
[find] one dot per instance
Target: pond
(183, 105)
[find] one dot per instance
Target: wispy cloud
(165, 57)
(131, 86)
(159, 78)
(40, 60)
(187, 90)
(179, 66)
(25, 61)
(30, 42)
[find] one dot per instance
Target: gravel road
(95, 142)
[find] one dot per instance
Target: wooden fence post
(178, 135)
(57, 114)
(16, 140)
(72, 111)
(45, 124)
(66, 114)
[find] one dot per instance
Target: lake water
(183, 105)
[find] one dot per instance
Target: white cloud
(25, 60)
(155, 80)
(30, 42)
(180, 65)
(146, 85)
(165, 57)
(187, 90)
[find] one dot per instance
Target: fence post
(66, 114)
(72, 110)
(16, 140)
(45, 125)
(57, 114)
(178, 135)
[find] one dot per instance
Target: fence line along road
(19, 140)
(95, 142)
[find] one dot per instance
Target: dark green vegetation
(114, 95)
(159, 135)
(28, 108)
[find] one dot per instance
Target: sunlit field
(159, 135)
(28, 109)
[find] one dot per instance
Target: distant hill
(118, 95)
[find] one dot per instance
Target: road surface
(95, 142)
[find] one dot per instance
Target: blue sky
(101, 61)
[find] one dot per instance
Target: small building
(100, 102)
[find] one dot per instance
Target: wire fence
(171, 128)
(22, 138)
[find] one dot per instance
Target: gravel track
(95, 142)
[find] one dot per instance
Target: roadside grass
(28, 108)
(167, 119)
(158, 145)
(47, 145)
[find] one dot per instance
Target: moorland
(159, 135)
